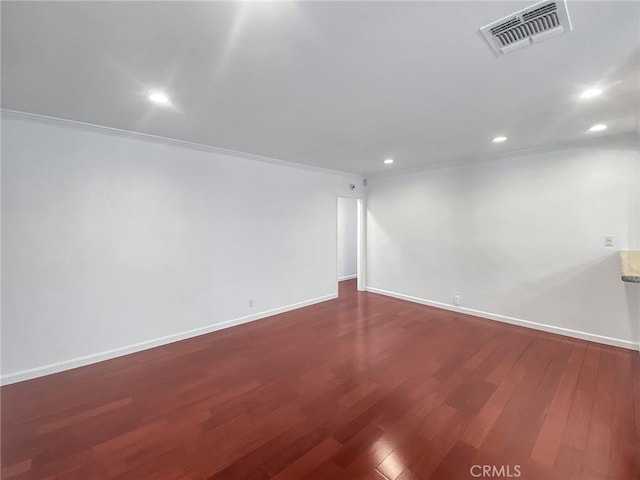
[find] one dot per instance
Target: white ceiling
(341, 85)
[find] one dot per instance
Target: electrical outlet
(250, 303)
(608, 240)
(456, 299)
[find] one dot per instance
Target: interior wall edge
(70, 364)
(591, 337)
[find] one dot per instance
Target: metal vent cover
(536, 23)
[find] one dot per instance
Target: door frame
(361, 242)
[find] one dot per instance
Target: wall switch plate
(608, 240)
(251, 303)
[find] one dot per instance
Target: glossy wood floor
(364, 387)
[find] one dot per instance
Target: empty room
(320, 240)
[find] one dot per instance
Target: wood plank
(309, 461)
(598, 448)
(547, 444)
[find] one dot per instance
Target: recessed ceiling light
(158, 97)
(499, 139)
(598, 127)
(389, 161)
(590, 93)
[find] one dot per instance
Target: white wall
(521, 238)
(113, 244)
(347, 237)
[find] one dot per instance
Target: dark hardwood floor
(364, 387)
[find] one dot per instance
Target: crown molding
(631, 137)
(146, 137)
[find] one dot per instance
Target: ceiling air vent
(532, 24)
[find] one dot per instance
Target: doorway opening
(350, 243)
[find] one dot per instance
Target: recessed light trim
(499, 139)
(388, 161)
(598, 127)
(161, 98)
(591, 92)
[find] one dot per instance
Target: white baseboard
(347, 277)
(156, 342)
(592, 337)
